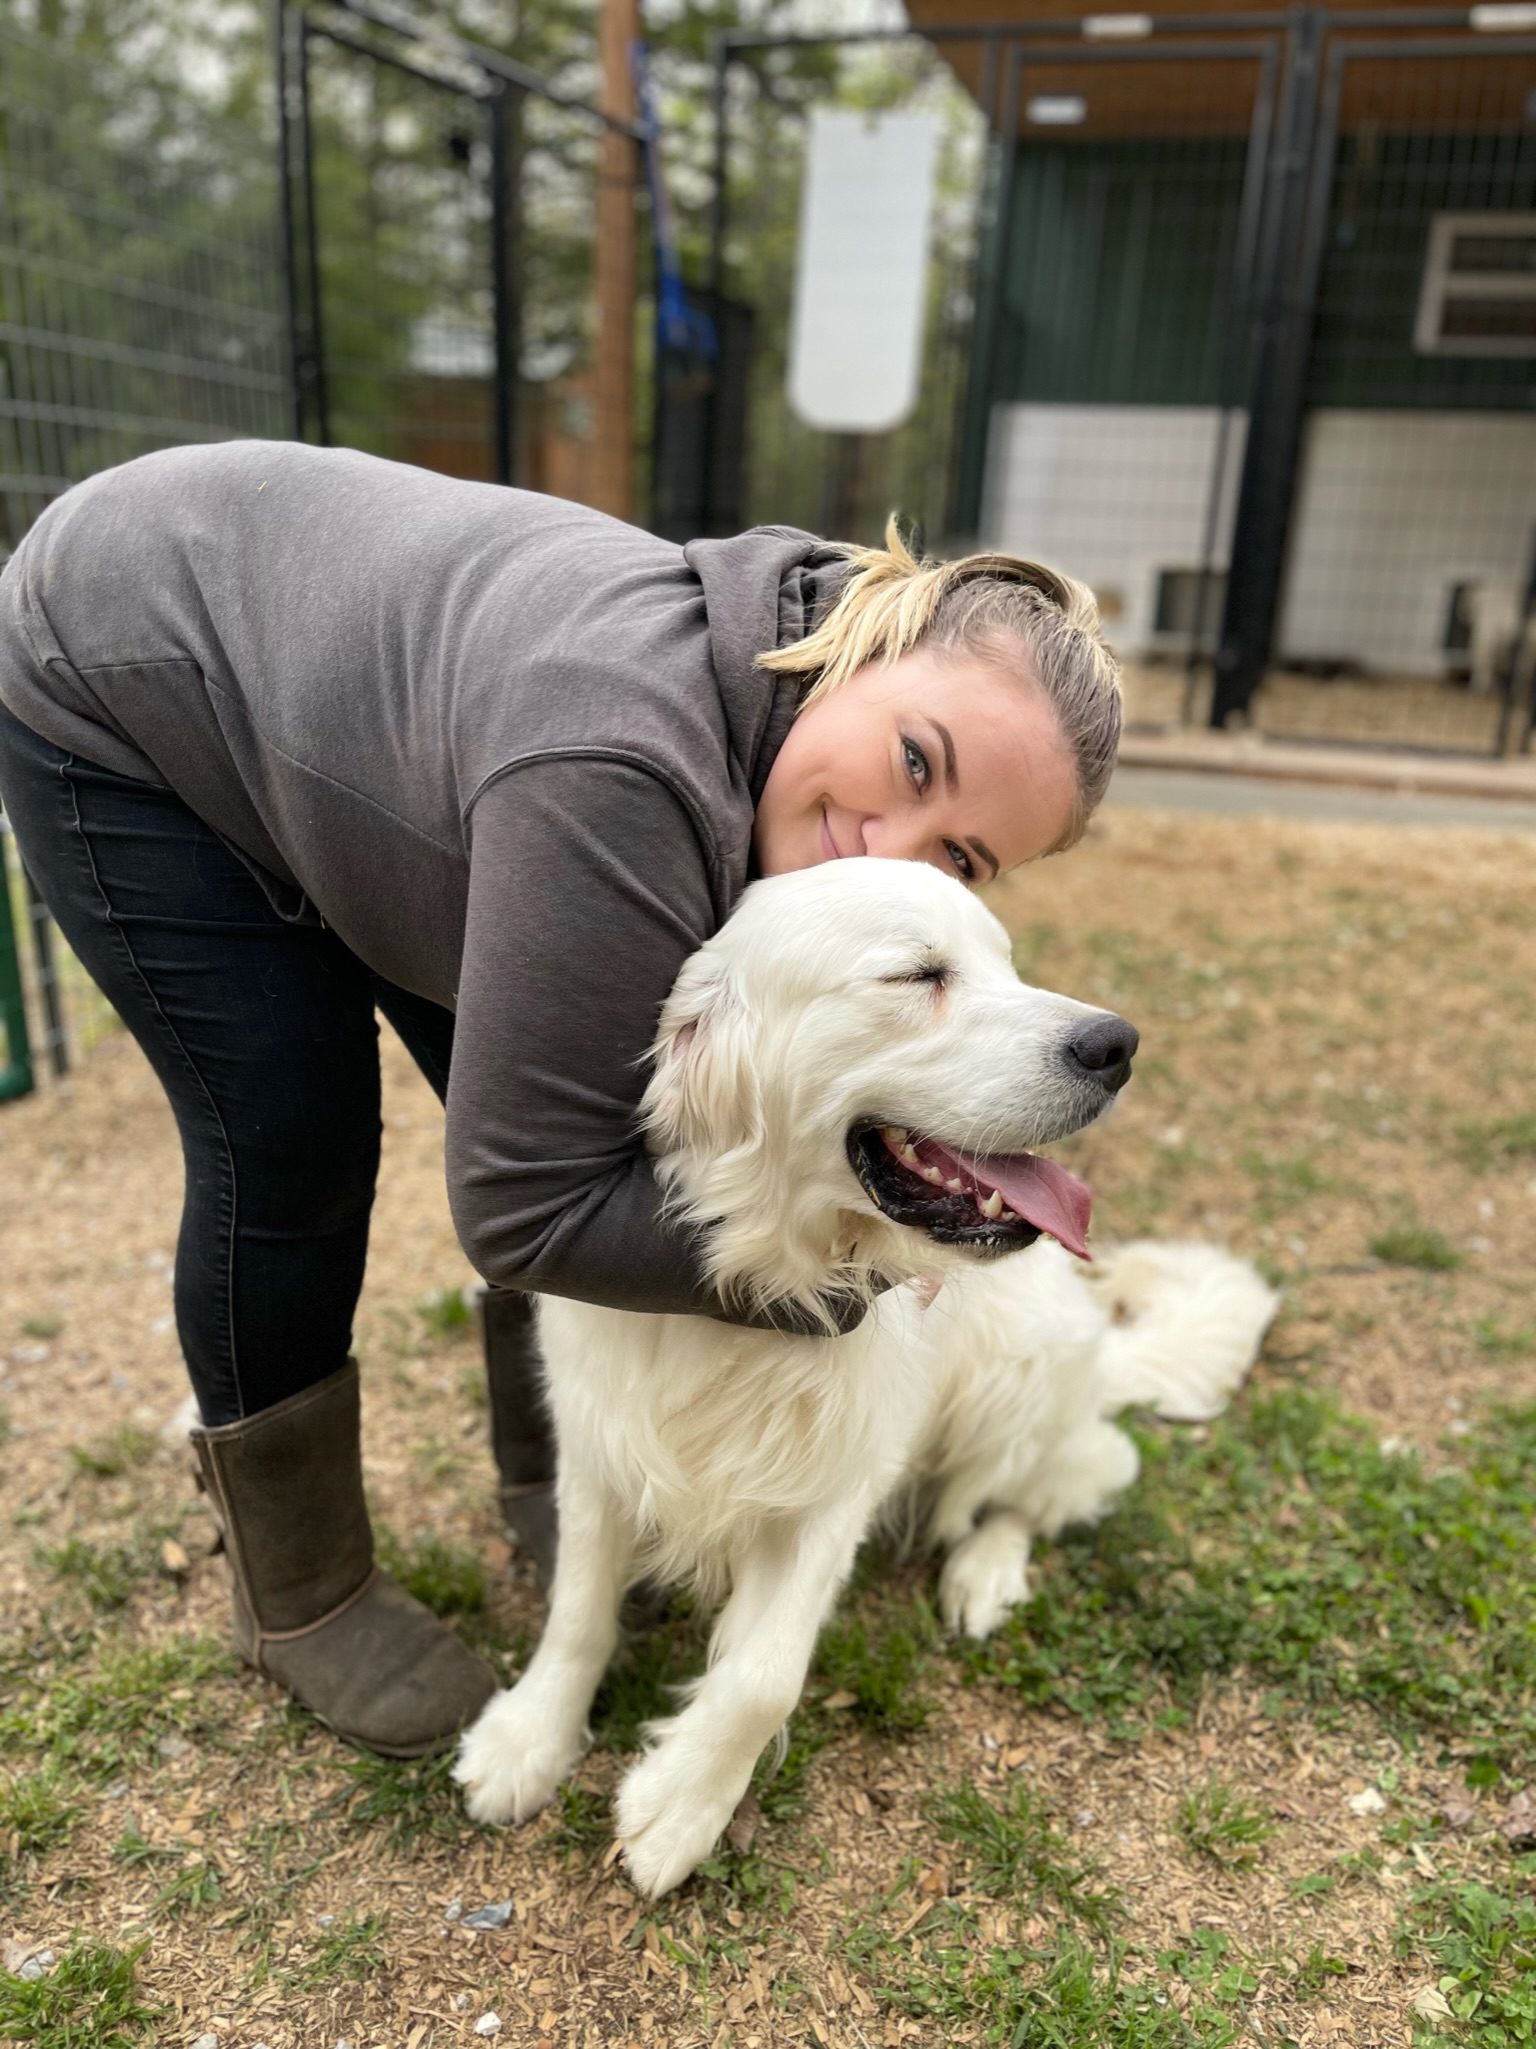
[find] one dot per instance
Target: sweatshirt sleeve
(588, 890)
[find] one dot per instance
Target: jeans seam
(174, 1038)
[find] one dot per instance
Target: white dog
(849, 1081)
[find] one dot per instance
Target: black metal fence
(1234, 317)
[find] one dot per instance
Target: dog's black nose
(1104, 1050)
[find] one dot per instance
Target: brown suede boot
(312, 1610)
(522, 1437)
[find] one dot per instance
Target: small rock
(1368, 1802)
(326, 1920)
(206, 2042)
(461, 2002)
(1084, 1818)
(495, 1914)
(488, 2024)
(453, 1910)
(343, 2043)
(172, 1746)
(38, 1965)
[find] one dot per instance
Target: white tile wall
(1394, 508)
(1111, 494)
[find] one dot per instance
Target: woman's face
(935, 758)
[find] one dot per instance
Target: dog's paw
(512, 1758)
(667, 1823)
(983, 1578)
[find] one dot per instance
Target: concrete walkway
(1245, 775)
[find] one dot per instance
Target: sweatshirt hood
(763, 589)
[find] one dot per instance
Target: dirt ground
(1371, 711)
(1337, 1034)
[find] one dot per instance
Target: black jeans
(264, 1036)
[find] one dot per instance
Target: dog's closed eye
(937, 972)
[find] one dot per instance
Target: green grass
(99, 1718)
(44, 1327)
(1063, 1995)
(197, 1886)
(881, 1669)
(1481, 1945)
(106, 1574)
(1410, 1244)
(1496, 1341)
(408, 1800)
(446, 1314)
(89, 2000)
(1217, 1822)
(443, 1577)
(116, 1453)
(1494, 1144)
(1013, 1851)
(351, 1950)
(1289, 1546)
(36, 1812)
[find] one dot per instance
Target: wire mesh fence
(140, 283)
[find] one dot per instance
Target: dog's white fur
(753, 1462)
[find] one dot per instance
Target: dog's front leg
(674, 1805)
(527, 1739)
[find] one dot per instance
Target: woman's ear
(703, 1094)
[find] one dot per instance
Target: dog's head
(850, 1079)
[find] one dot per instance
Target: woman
(288, 735)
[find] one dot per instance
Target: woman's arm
(588, 890)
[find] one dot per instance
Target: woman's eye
(917, 762)
(961, 859)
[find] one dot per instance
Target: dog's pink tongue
(1043, 1193)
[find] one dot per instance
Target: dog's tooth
(992, 1208)
(893, 1135)
(1010, 1216)
(954, 1185)
(932, 1174)
(909, 1157)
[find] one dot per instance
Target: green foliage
(446, 1314)
(351, 1949)
(103, 1717)
(1496, 1341)
(1482, 1947)
(584, 1820)
(35, 1813)
(1495, 1144)
(408, 1800)
(125, 1446)
(89, 2000)
(194, 1888)
(1014, 1852)
(1410, 1244)
(1063, 1995)
(1219, 1823)
(44, 1327)
(105, 1574)
(443, 1577)
(1292, 1547)
(880, 1671)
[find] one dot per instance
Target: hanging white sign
(861, 269)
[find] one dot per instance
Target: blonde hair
(992, 608)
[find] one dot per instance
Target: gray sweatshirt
(507, 748)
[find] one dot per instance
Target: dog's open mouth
(986, 1204)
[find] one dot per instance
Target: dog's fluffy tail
(1188, 1321)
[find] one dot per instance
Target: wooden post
(613, 454)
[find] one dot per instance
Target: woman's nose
(897, 839)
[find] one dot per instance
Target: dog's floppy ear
(703, 1091)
